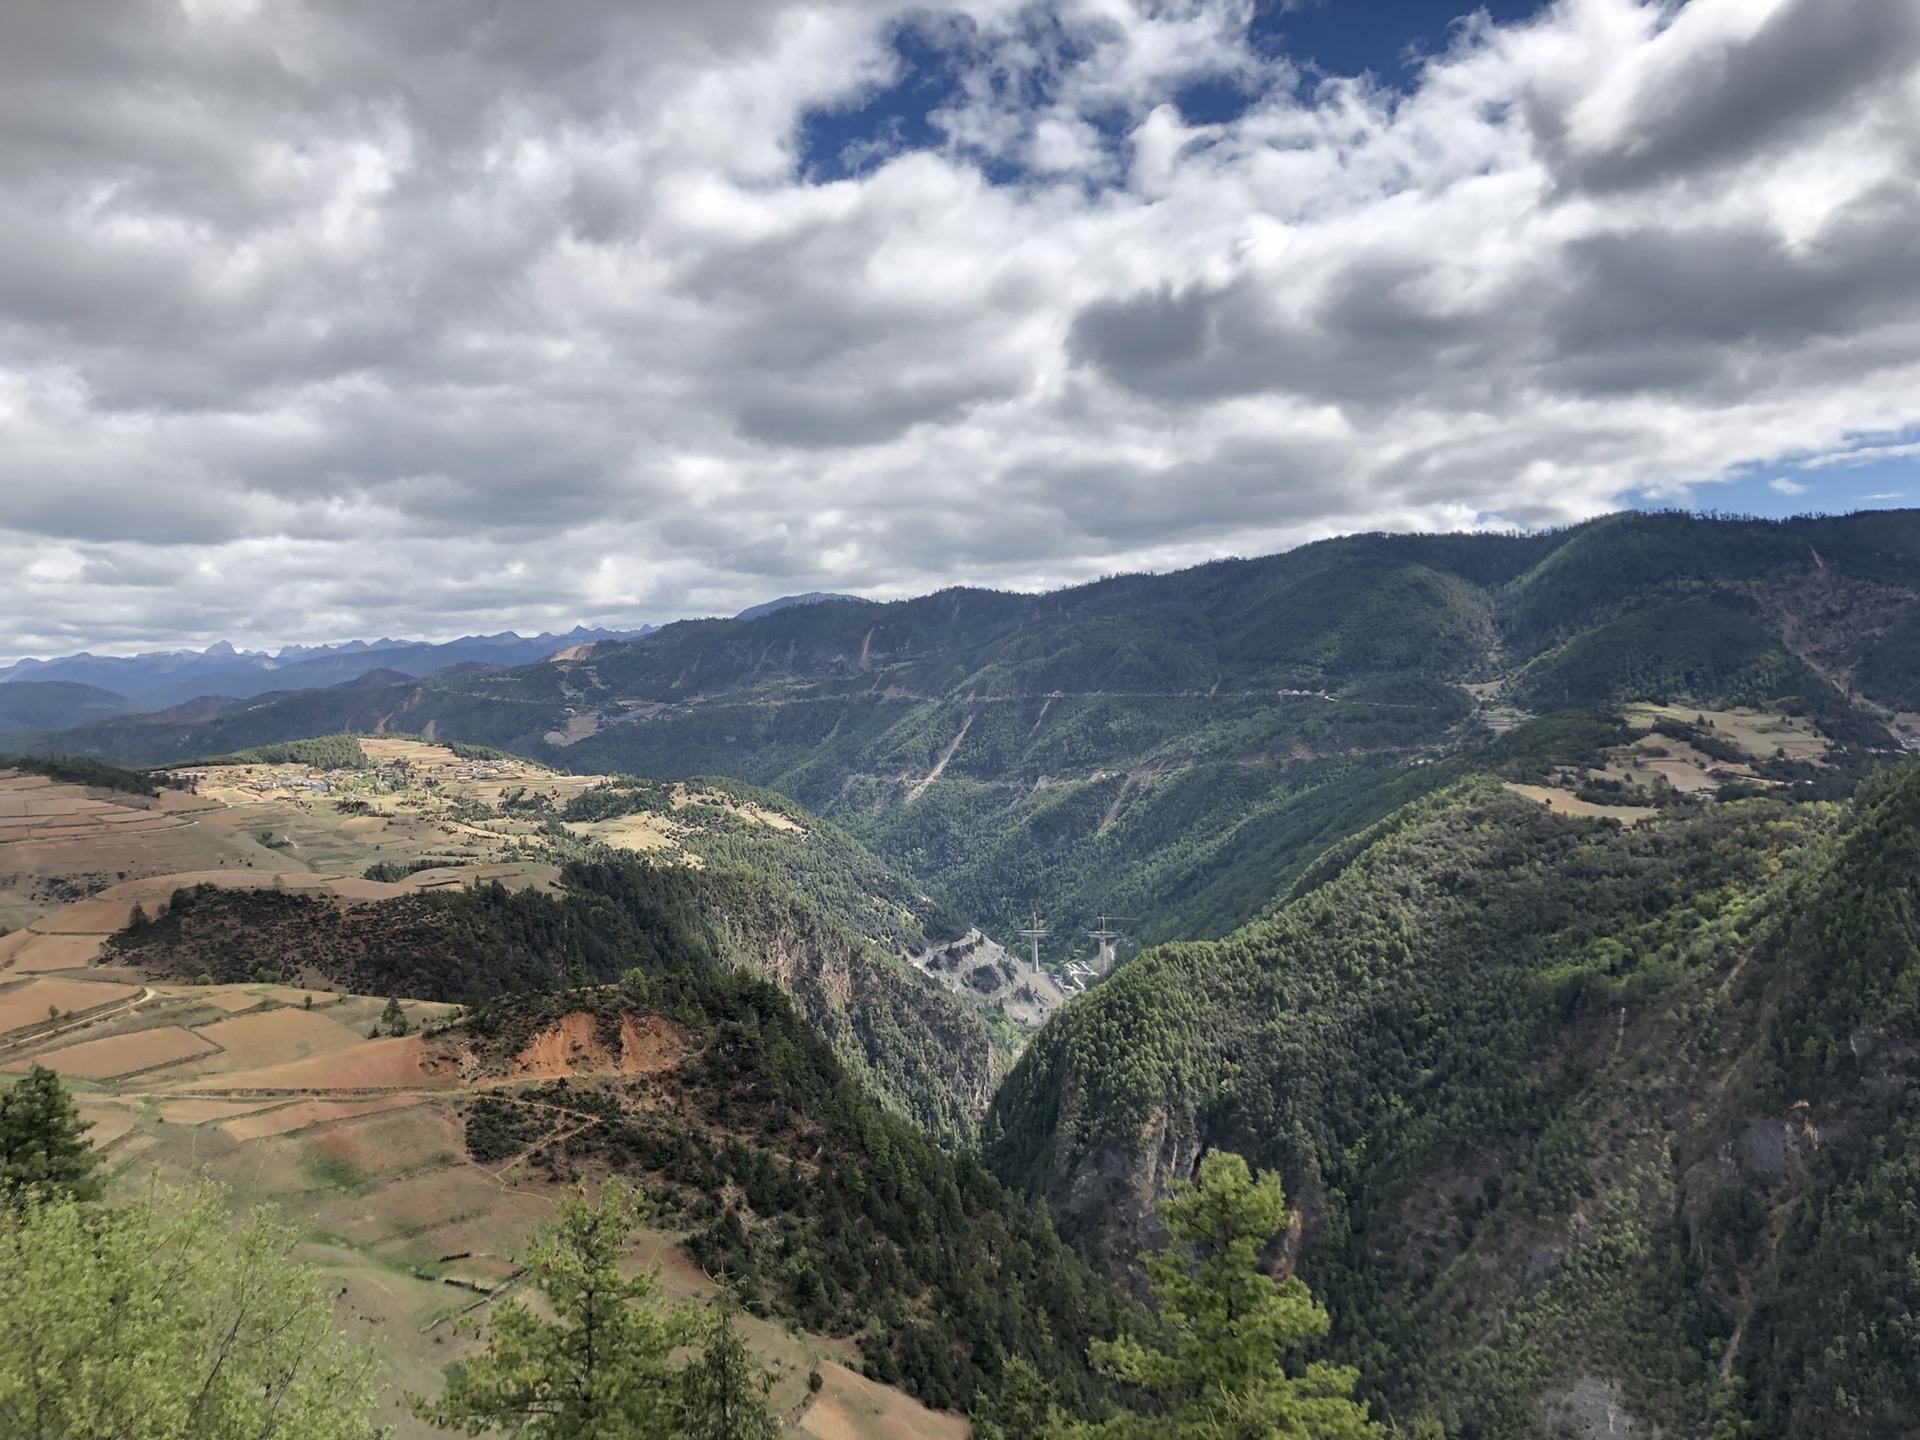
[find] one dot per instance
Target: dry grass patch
(110, 1118)
(126, 1054)
(1562, 802)
(99, 916)
(289, 1119)
(38, 953)
(275, 1037)
(641, 833)
(386, 1143)
(223, 998)
(369, 1065)
(199, 1112)
(29, 1005)
(852, 1407)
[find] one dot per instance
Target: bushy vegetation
(323, 752)
(156, 1317)
(392, 872)
(1698, 651)
(1443, 1045)
(44, 1155)
(1233, 1332)
(810, 1199)
(82, 770)
(603, 1365)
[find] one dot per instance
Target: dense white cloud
(420, 317)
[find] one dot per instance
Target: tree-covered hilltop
(1569, 1108)
(916, 1044)
(1172, 747)
(816, 1203)
(82, 770)
(729, 825)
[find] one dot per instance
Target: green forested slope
(1534, 1083)
(1168, 746)
(819, 1205)
(914, 1043)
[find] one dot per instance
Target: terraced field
(282, 1095)
(281, 1092)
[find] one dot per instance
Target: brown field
(1564, 802)
(39, 953)
(274, 1037)
(155, 890)
(122, 1054)
(233, 1001)
(1655, 760)
(370, 1065)
(290, 1118)
(395, 1143)
(87, 917)
(109, 1118)
(29, 1004)
(199, 1112)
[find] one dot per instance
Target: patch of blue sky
(938, 55)
(1386, 39)
(1882, 474)
(836, 144)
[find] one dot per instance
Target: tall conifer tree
(44, 1150)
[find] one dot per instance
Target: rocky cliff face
(912, 1041)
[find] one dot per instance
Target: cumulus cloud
(422, 318)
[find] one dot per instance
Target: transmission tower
(1034, 934)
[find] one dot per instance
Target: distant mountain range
(1541, 908)
(98, 687)
(38, 695)
(1173, 748)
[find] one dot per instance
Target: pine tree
(601, 1369)
(44, 1151)
(393, 1020)
(1027, 1407)
(724, 1392)
(1231, 1325)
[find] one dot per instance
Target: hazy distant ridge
(169, 677)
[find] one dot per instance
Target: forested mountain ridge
(1587, 1045)
(1171, 747)
(912, 1043)
(1575, 1113)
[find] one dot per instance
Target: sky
(431, 317)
